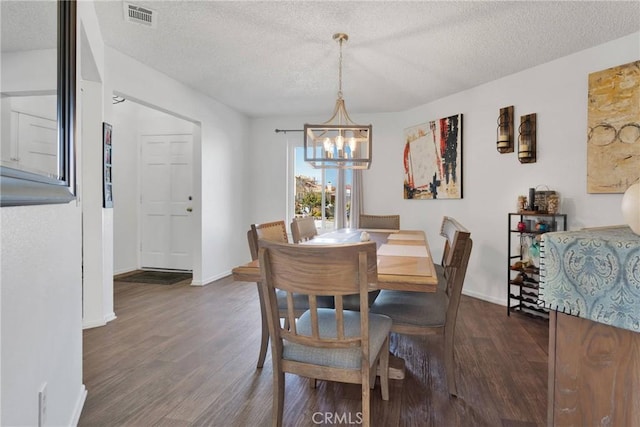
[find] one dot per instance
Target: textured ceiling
(27, 25)
(279, 58)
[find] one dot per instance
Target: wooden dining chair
(303, 228)
(427, 313)
(379, 222)
(326, 344)
(274, 231)
(448, 229)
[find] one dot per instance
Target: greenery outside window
(315, 191)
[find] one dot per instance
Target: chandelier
(338, 143)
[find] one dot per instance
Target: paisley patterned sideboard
(590, 280)
(593, 274)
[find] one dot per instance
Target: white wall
(97, 221)
(41, 301)
(220, 188)
(35, 66)
(556, 91)
(125, 190)
(97, 262)
(41, 313)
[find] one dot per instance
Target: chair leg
(264, 342)
(384, 370)
(449, 362)
(278, 397)
(366, 401)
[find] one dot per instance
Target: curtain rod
(289, 130)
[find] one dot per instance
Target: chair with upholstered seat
(448, 229)
(274, 231)
(303, 228)
(379, 222)
(327, 344)
(423, 313)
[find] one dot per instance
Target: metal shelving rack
(523, 280)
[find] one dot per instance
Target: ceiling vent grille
(139, 15)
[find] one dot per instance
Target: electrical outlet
(42, 405)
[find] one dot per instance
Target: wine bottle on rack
(532, 199)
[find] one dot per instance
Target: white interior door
(166, 202)
(37, 144)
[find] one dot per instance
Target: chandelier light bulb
(328, 147)
(352, 144)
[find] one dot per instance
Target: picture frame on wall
(432, 160)
(107, 193)
(613, 137)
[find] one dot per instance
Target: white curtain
(339, 209)
(357, 202)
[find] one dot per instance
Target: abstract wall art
(433, 159)
(613, 136)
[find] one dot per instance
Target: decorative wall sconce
(505, 130)
(527, 139)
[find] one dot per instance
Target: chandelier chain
(340, 71)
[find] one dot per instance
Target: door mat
(156, 277)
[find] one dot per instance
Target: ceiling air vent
(139, 15)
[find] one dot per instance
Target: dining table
(404, 258)
(404, 264)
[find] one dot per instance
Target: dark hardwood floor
(186, 356)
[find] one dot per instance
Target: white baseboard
(210, 279)
(77, 410)
(126, 270)
(97, 323)
(109, 317)
(499, 301)
(93, 324)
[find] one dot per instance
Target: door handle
(189, 209)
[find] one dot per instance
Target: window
(318, 192)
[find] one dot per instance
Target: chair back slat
(339, 319)
(313, 308)
(380, 222)
(291, 312)
(316, 270)
(303, 229)
(455, 236)
(253, 244)
(363, 261)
